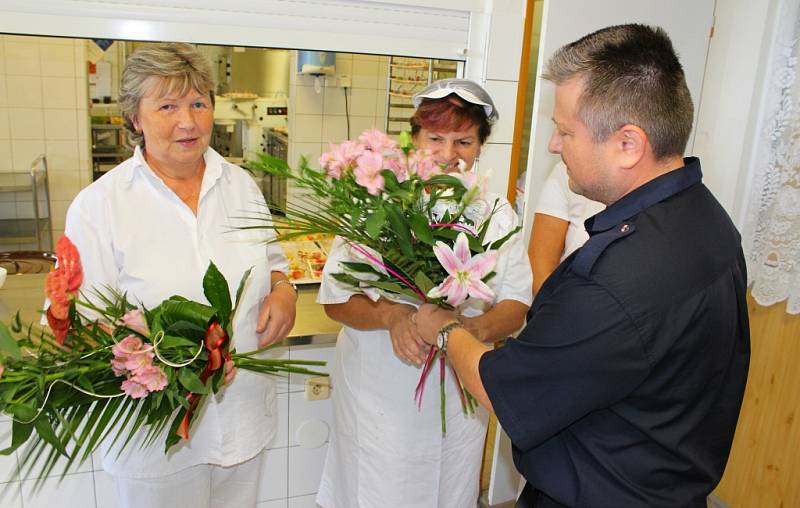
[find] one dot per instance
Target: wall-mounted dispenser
(317, 64)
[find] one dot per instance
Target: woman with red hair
(384, 451)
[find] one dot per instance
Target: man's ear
(631, 143)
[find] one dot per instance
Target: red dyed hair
(449, 114)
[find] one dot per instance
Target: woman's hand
(230, 372)
(430, 319)
(406, 341)
(276, 315)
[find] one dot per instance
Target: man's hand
(407, 343)
(277, 314)
(430, 319)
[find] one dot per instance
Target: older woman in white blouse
(149, 228)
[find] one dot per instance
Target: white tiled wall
(318, 119)
(290, 473)
(44, 110)
(501, 78)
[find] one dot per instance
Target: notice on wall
(100, 82)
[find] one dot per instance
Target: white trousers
(202, 486)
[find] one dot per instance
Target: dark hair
(631, 75)
(450, 113)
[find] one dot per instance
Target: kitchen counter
(26, 294)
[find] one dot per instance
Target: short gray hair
(630, 75)
(172, 67)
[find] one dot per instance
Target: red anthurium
(70, 262)
(60, 327)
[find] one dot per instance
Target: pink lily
(466, 272)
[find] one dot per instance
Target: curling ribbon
(215, 340)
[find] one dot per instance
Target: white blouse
(135, 234)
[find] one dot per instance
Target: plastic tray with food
(307, 256)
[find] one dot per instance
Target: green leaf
(242, 283)
(395, 288)
(172, 341)
(46, 432)
(7, 343)
(85, 383)
(446, 181)
(215, 287)
(191, 382)
(358, 267)
(390, 183)
(474, 244)
(20, 432)
(172, 437)
(421, 228)
(22, 412)
(499, 243)
(16, 323)
(375, 223)
(423, 282)
(269, 164)
(400, 227)
(176, 311)
(7, 391)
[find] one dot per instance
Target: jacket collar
(641, 198)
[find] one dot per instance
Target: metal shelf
(406, 76)
(36, 229)
(109, 147)
(23, 230)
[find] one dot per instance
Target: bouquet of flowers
(126, 368)
(417, 233)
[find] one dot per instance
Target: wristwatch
(444, 334)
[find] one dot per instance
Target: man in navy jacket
(625, 386)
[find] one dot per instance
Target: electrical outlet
(345, 81)
(317, 388)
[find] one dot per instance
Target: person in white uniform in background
(149, 228)
(558, 228)
(384, 451)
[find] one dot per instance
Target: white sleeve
(88, 227)
(513, 279)
(554, 196)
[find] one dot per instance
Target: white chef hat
(464, 88)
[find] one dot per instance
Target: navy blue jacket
(625, 386)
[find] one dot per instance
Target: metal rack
(109, 147)
(29, 230)
(275, 187)
(406, 76)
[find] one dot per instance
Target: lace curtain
(771, 236)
